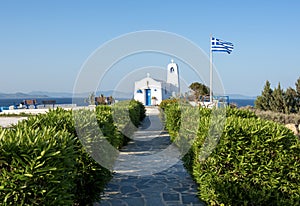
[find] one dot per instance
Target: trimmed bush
(256, 162)
(137, 112)
(128, 115)
(36, 166)
(172, 118)
(109, 129)
(88, 178)
(43, 162)
(167, 102)
(234, 112)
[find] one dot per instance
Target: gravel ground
(9, 121)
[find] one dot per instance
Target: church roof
(158, 80)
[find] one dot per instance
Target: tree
(199, 89)
(91, 99)
(298, 95)
(279, 100)
(263, 102)
(101, 100)
(290, 103)
(298, 87)
(258, 104)
(277, 103)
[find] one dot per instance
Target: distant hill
(20, 95)
(52, 94)
(115, 94)
(43, 94)
(240, 96)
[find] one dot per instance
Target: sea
(242, 102)
(82, 102)
(6, 102)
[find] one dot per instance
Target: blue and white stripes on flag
(218, 45)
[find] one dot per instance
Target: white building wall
(156, 92)
(139, 97)
(148, 83)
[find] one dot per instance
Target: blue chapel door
(148, 97)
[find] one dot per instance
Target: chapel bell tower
(173, 75)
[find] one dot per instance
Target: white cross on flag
(218, 45)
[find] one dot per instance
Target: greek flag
(217, 45)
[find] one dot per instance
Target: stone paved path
(149, 172)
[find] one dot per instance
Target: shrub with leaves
(109, 129)
(36, 166)
(167, 102)
(256, 162)
(91, 177)
(128, 115)
(234, 112)
(43, 162)
(172, 113)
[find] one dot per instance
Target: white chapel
(151, 91)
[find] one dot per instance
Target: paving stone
(134, 201)
(181, 189)
(175, 204)
(128, 189)
(112, 187)
(136, 194)
(188, 199)
(143, 181)
(173, 184)
(143, 187)
(117, 202)
(171, 197)
(154, 201)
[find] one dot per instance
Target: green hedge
(256, 162)
(167, 102)
(128, 115)
(234, 112)
(36, 166)
(173, 109)
(43, 162)
(172, 117)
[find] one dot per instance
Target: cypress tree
(298, 95)
(278, 100)
(277, 103)
(263, 102)
(290, 103)
(298, 87)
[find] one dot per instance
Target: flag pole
(211, 72)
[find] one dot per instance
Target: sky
(44, 44)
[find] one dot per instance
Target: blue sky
(43, 44)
